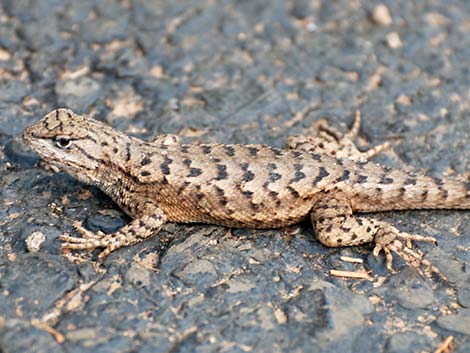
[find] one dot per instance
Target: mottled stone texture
(246, 72)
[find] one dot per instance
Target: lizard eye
(63, 142)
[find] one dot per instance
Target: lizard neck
(116, 175)
(115, 152)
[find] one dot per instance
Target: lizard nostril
(28, 132)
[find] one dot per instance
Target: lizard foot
(328, 140)
(336, 225)
(136, 231)
(391, 240)
(89, 240)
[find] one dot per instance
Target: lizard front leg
(148, 224)
(325, 139)
(336, 225)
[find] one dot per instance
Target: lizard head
(71, 142)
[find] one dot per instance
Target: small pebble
(311, 26)
(381, 15)
(393, 40)
(34, 241)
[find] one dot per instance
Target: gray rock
(409, 341)
(463, 294)
(459, 323)
(13, 91)
(237, 71)
(77, 93)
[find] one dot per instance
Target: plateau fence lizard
(323, 177)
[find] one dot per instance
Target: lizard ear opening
(63, 142)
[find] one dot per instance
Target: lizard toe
(71, 240)
(81, 245)
(390, 240)
(86, 233)
(415, 237)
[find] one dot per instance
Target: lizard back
(234, 185)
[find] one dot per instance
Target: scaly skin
(323, 176)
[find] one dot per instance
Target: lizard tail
(384, 190)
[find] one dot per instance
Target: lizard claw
(89, 240)
(80, 243)
(326, 139)
(391, 240)
(89, 243)
(86, 233)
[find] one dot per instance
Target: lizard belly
(267, 214)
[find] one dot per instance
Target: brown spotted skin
(323, 176)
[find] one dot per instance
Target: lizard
(324, 177)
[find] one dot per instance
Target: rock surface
(237, 72)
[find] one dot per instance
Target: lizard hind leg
(336, 225)
(326, 139)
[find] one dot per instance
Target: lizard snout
(30, 133)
